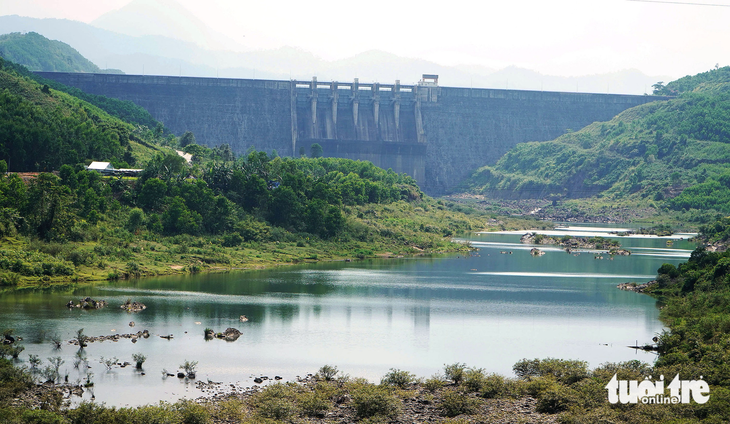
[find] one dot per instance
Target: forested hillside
(42, 129)
(124, 110)
(38, 53)
(654, 151)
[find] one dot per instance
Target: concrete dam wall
(438, 135)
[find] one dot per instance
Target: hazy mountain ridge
(165, 18)
(158, 55)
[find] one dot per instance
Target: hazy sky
(559, 37)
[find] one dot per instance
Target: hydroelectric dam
(438, 135)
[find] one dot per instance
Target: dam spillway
(438, 135)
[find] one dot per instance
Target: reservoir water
(487, 309)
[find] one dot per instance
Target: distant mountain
(628, 81)
(165, 18)
(38, 53)
(162, 55)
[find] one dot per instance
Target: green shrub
(192, 413)
(39, 416)
(398, 378)
(455, 372)
(276, 401)
(232, 240)
(370, 400)
(565, 371)
(13, 380)
(8, 278)
(474, 379)
(139, 359)
(557, 399)
(313, 404)
(629, 370)
(434, 383)
(455, 403)
(327, 372)
(494, 386)
(161, 413)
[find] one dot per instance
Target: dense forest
(651, 152)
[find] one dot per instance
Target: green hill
(652, 151)
(122, 109)
(42, 129)
(38, 53)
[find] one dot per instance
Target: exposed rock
(638, 288)
(87, 303)
(716, 247)
(243, 318)
(231, 334)
(112, 338)
(130, 306)
(571, 244)
(620, 252)
(536, 252)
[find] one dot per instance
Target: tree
(153, 190)
(179, 219)
(658, 87)
(316, 150)
(187, 139)
(285, 207)
(225, 153)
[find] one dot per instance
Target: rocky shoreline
(419, 405)
(416, 403)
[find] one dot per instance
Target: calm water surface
(488, 310)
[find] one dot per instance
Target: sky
(558, 37)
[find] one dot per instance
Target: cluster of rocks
(536, 252)
(716, 247)
(230, 334)
(130, 306)
(260, 380)
(571, 244)
(87, 303)
(9, 339)
(113, 337)
(638, 288)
